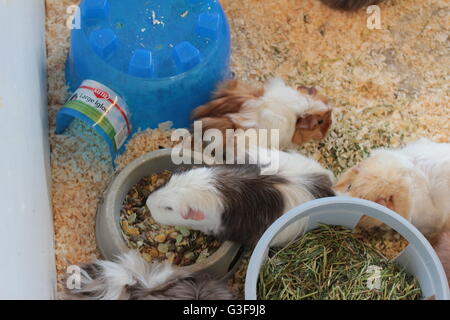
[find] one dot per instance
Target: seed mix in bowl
(178, 245)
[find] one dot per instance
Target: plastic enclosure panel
(164, 57)
(418, 258)
(27, 264)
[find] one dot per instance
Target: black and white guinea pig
(239, 202)
(130, 277)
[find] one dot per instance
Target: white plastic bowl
(419, 258)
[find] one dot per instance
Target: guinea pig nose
(312, 91)
(184, 215)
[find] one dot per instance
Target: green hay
(329, 263)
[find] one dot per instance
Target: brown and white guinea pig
(441, 244)
(349, 5)
(239, 202)
(130, 277)
(413, 181)
(299, 115)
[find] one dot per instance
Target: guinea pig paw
(369, 223)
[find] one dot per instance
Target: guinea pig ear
(345, 180)
(307, 122)
(191, 214)
(387, 202)
(307, 90)
(398, 201)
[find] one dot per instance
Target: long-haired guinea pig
(441, 244)
(349, 4)
(239, 202)
(130, 277)
(413, 181)
(300, 115)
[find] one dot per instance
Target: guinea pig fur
(239, 202)
(413, 181)
(130, 277)
(349, 5)
(299, 115)
(441, 244)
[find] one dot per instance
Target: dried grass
(330, 263)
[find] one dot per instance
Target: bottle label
(105, 108)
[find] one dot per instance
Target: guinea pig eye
(320, 122)
(168, 208)
(349, 187)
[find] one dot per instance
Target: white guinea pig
(413, 181)
(130, 277)
(239, 202)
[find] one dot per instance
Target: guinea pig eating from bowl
(239, 202)
(413, 181)
(130, 277)
(300, 115)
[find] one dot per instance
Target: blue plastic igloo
(163, 57)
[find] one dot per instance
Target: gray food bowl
(419, 258)
(108, 231)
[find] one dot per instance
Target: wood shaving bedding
(389, 86)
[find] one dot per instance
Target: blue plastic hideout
(159, 58)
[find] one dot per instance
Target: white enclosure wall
(27, 266)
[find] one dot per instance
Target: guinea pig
(300, 115)
(441, 244)
(413, 181)
(239, 202)
(349, 5)
(130, 277)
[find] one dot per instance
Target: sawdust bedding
(389, 87)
